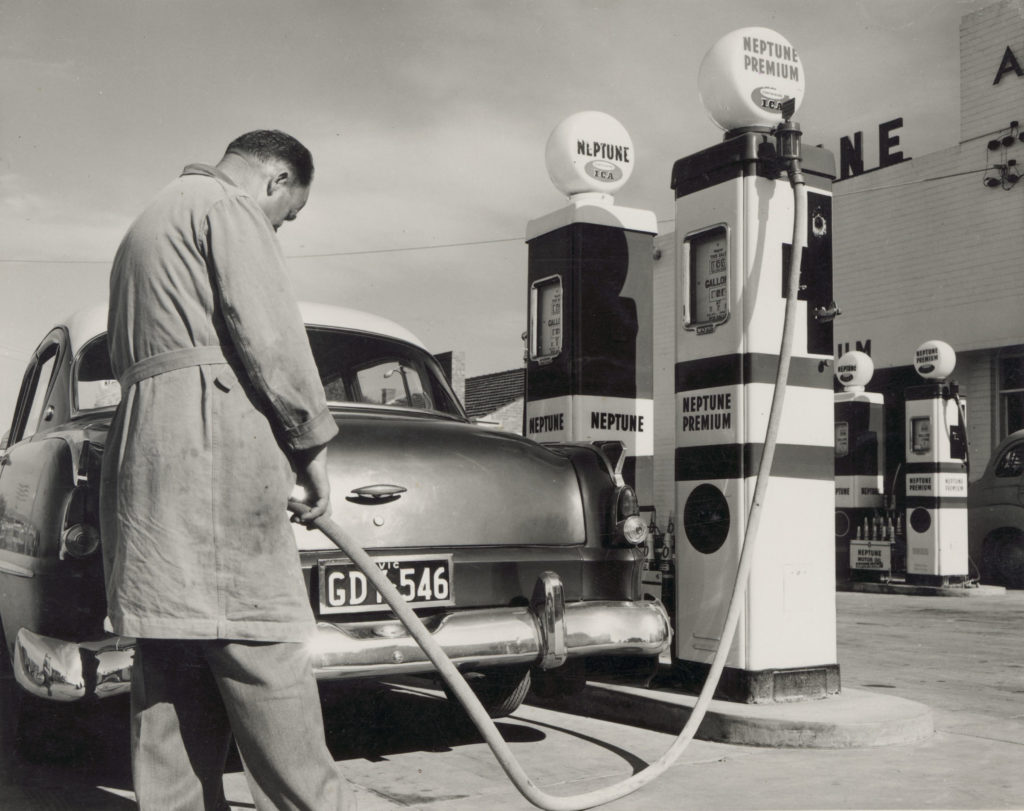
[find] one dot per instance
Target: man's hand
(311, 475)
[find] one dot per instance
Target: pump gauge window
(842, 439)
(709, 278)
(546, 318)
(920, 434)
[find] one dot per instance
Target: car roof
(87, 323)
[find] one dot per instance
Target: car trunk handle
(379, 491)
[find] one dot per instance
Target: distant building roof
(487, 393)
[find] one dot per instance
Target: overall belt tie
(172, 360)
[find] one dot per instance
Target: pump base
(936, 580)
(760, 686)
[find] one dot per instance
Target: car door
(22, 460)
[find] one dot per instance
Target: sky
(427, 120)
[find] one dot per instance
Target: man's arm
(250, 278)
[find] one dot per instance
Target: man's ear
(280, 179)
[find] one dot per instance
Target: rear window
(362, 369)
(355, 368)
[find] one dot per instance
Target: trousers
(188, 697)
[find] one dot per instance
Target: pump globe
(934, 360)
(747, 75)
(589, 152)
(854, 370)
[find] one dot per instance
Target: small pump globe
(934, 360)
(854, 370)
(747, 75)
(589, 152)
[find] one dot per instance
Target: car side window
(1012, 463)
(95, 385)
(43, 377)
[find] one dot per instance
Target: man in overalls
(222, 408)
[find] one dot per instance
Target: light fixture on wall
(1009, 137)
(1007, 176)
(994, 181)
(1008, 140)
(1010, 174)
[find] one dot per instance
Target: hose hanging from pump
(457, 683)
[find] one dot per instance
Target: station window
(1011, 393)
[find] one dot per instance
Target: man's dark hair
(269, 145)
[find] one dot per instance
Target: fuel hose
(457, 683)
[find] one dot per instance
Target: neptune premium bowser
(734, 222)
(589, 374)
(936, 471)
(861, 549)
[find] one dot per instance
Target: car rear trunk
(464, 486)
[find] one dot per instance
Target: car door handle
(379, 491)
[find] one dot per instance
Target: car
(995, 504)
(523, 559)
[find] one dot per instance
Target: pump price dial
(709, 278)
(546, 319)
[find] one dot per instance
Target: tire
(567, 680)
(500, 690)
(1010, 560)
(1003, 559)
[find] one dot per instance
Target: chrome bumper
(544, 634)
(69, 671)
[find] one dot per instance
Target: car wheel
(567, 680)
(1011, 562)
(990, 561)
(500, 690)
(1003, 559)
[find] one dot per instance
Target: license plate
(423, 580)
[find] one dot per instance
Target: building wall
(507, 418)
(985, 105)
(925, 250)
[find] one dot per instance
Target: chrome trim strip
(13, 568)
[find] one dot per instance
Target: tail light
(629, 526)
(80, 537)
(79, 541)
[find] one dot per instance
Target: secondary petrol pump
(863, 547)
(936, 471)
(589, 372)
(735, 225)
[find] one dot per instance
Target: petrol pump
(734, 230)
(589, 372)
(864, 529)
(935, 489)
